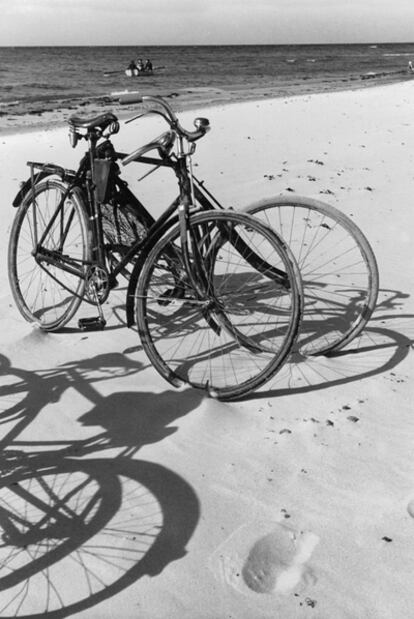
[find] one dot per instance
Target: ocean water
(36, 79)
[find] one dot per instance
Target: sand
(297, 502)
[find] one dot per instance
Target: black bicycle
(216, 294)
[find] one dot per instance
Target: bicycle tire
(175, 330)
(44, 293)
(338, 267)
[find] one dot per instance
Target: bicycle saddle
(102, 121)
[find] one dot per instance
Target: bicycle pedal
(91, 324)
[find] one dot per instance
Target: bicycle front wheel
(338, 268)
(236, 333)
(47, 285)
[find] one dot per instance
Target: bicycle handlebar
(202, 124)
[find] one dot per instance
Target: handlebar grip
(193, 136)
(132, 97)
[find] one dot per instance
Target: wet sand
(37, 115)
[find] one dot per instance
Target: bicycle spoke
(340, 277)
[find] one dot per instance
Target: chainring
(97, 284)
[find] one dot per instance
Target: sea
(34, 80)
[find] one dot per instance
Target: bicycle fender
(45, 170)
(143, 254)
(25, 188)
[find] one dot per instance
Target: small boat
(138, 72)
(135, 72)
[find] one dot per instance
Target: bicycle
(216, 294)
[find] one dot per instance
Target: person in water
(132, 66)
(140, 65)
(410, 67)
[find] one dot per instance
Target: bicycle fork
(201, 282)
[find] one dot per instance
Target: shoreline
(185, 100)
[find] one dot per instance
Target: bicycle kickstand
(93, 323)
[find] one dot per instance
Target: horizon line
(370, 43)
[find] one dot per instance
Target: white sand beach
(297, 502)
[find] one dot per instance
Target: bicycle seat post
(98, 256)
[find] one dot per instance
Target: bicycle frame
(84, 180)
(193, 196)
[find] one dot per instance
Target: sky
(204, 22)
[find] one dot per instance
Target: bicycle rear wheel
(44, 292)
(234, 336)
(338, 268)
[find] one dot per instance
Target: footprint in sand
(264, 556)
(277, 562)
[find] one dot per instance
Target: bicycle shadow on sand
(384, 343)
(76, 529)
